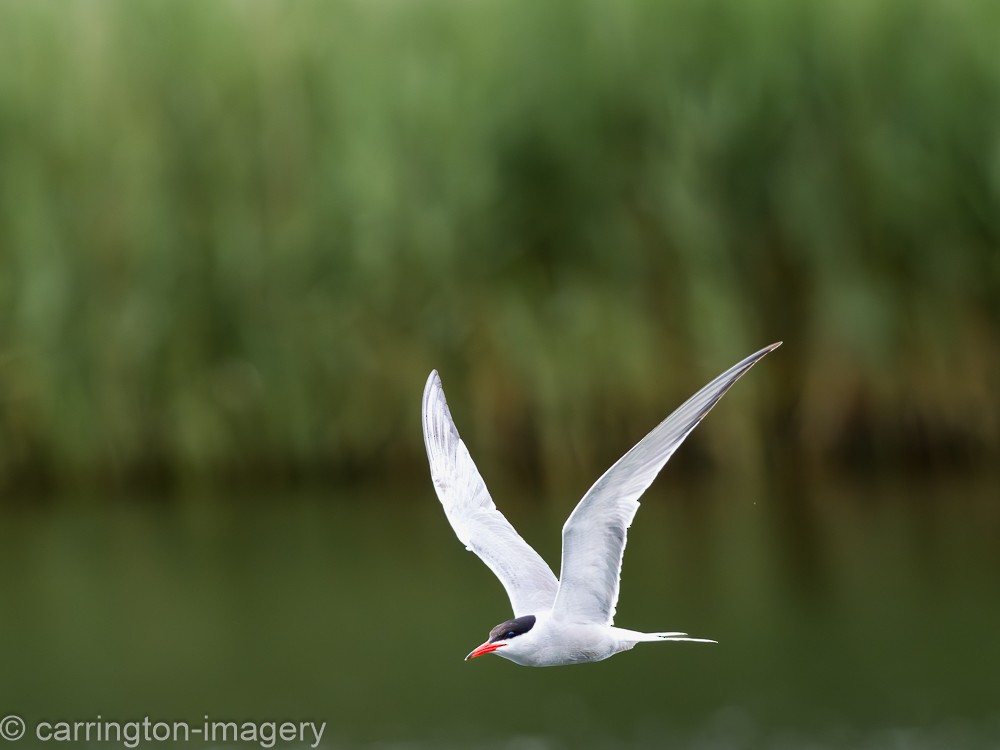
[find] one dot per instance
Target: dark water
(862, 615)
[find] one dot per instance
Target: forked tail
(677, 637)
(637, 637)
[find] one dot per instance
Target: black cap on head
(507, 630)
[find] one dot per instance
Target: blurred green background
(236, 236)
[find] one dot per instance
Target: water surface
(859, 614)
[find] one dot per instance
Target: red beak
(486, 648)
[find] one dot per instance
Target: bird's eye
(510, 634)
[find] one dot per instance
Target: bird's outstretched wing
(529, 582)
(594, 534)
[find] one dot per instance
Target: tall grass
(235, 236)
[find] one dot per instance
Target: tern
(568, 620)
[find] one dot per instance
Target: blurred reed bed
(235, 236)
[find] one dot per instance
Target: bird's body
(567, 620)
(551, 643)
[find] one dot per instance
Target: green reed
(235, 236)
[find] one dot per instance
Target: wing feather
(528, 580)
(594, 535)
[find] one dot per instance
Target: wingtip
(754, 358)
(433, 381)
(432, 387)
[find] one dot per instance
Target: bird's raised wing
(594, 534)
(529, 582)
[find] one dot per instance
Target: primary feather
(529, 582)
(594, 535)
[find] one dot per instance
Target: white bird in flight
(569, 620)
